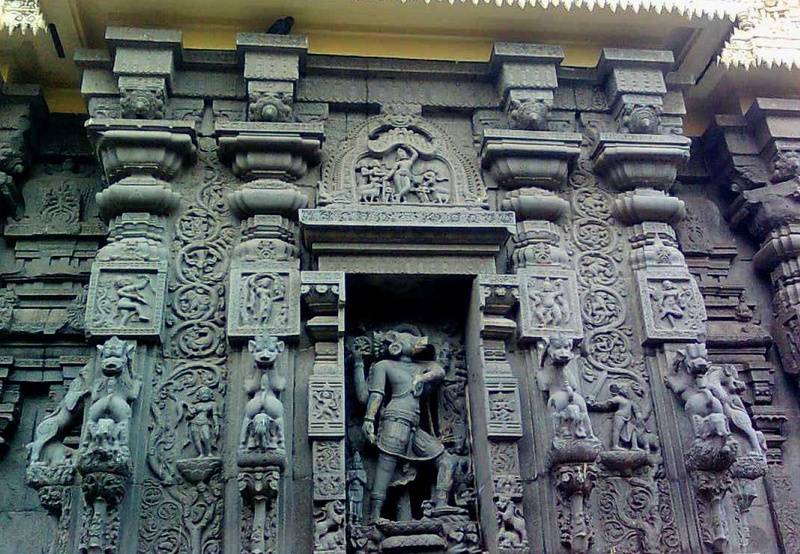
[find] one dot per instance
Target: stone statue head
(204, 394)
(693, 359)
(265, 348)
(403, 343)
(559, 349)
(114, 355)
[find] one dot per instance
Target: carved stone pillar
(761, 157)
(528, 160)
(268, 153)
(324, 299)
(642, 165)
(495, 402)
(533, 162)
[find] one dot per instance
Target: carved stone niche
(411, 477)
(529, 158)
(401, 158)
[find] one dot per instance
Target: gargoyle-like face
(265, 349)
(114, 355)
(560, 350)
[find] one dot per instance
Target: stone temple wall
(265, 301)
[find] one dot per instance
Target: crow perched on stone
(282, 26)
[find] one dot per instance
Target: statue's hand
(369, 430)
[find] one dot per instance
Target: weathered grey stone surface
(276, 302)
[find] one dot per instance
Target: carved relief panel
(400, 158)
(263, 298)
(126, 298)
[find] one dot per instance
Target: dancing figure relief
(406, 178)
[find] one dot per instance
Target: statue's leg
(444, 479)
(383, 476)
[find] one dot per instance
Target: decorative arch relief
(401, 159)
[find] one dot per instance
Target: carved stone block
(326, 405)
(329, 474)
(502, 405)
(672, 306)
(264, 298)
(549, 303)
(126, 298)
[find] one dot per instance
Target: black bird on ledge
(282, 26)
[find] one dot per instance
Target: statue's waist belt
(409, 417)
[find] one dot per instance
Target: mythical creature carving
(263, 425)
(559, 379)
(710, 396)
(528, 114)
(329, 523)
(112, 386)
